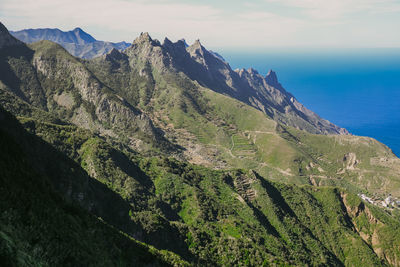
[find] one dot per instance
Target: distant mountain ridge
(77, 42)
(76, 36)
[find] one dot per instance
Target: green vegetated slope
(171, 163)
(221, 132)
(230, 217)
(353, 160)
(39, 227)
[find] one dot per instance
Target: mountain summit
(272, 79)
(82, 37)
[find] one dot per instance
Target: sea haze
(358, 89)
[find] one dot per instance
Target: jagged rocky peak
(6, 39)
(177, 47)
(252, 71)
(144, 43)
(198, 52)
(184, 42)
(197, 44)
(246, 73)
(240, 72)
(196, 47)
(271, 78)
(167, 42)
(114, 54)
(77, 29)
(144, 37)
(82, 37)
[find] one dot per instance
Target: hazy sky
(224, 24)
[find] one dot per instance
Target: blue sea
(358, 89)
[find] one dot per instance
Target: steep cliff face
(374, 228)
(269, 95)
(47, 77)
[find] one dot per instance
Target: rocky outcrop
(48, 78)
(243, 186)
(272, 79)
(350, 161)
(107, 110)
(370, 229)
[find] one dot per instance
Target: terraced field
(242, 146)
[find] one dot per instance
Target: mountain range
(161, 154)
(76, 42)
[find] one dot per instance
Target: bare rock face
(272, 79)
(147, 51)
(60, 83)
(268, 95)
(107, 111)
(372, 235)
(350, 161)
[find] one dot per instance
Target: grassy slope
(244, 137)
(376, 170)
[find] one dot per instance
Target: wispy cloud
(119, 15)
(337, 9)
(259, 23)
(191, 21)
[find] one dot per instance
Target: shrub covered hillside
(40, 227)
(205, 216)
